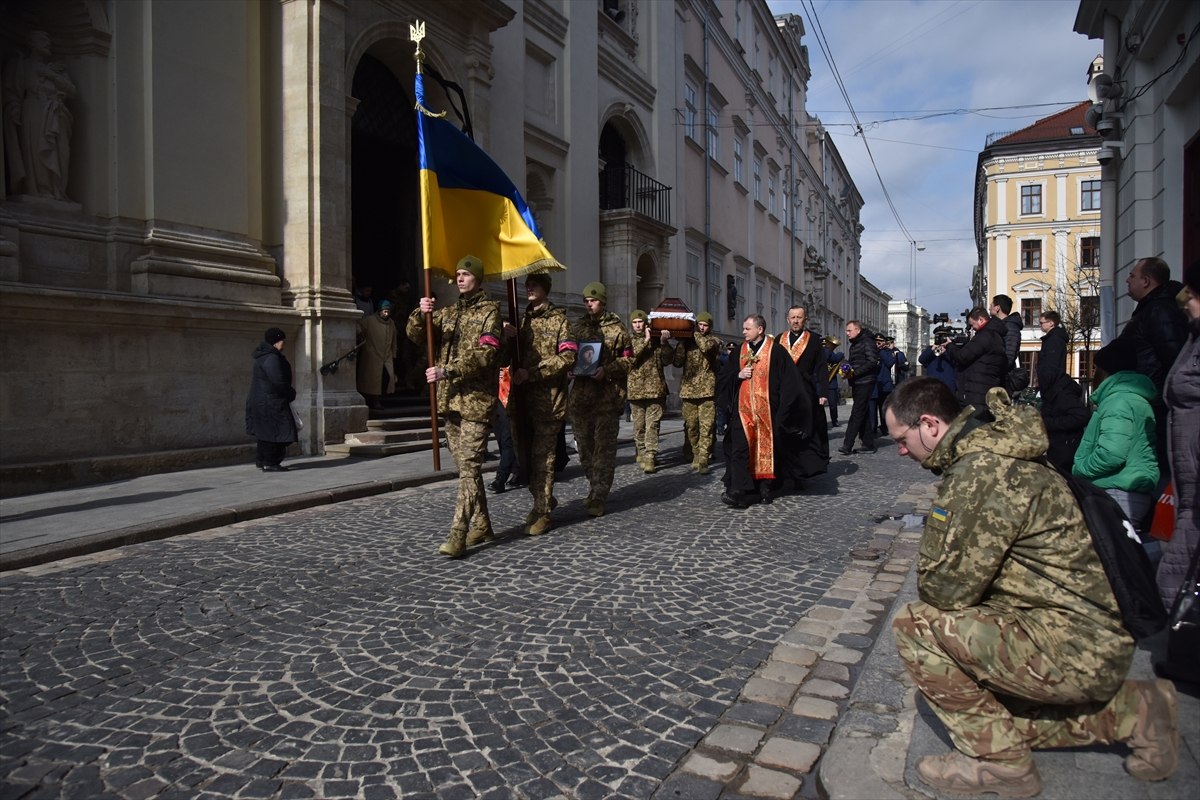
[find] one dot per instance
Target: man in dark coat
(1065, 414)
(1002, 306)
(864, 361)
(761, 388)
(982, 362)
(1157, 329)
(268, 416)
(806, 452)
(1052, 360)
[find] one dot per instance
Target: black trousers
(860, 424)
(270, 454)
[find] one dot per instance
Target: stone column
(316, 189)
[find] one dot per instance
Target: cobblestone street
(332, 653)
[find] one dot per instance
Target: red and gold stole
(796, 350)
(754, 408)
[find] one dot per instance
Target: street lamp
(912, 270)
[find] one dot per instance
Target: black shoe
(497, 486)
(733, 501)
(488, 456)
(765, 498)
(258, 465)
(846, 452)
(514, 482)
(275, 468)
(869, 450)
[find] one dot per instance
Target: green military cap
(637, 314)
(596, 289)
(472, 265)
(705, 317)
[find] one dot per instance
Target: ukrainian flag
(470, 207)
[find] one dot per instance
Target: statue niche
(37, 123)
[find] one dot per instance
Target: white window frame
(714, 136)
(689, 110)
(758, 165)
(739, 167)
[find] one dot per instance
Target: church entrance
(385, 233)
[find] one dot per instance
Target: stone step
(413, 423)
(377, 450)
(377, 436)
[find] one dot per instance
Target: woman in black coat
(268, 416)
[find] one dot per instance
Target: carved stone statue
(37, 124)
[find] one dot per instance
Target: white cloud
(899, 59)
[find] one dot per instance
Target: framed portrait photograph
(588, 359)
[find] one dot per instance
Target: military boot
(955, 773)
(700, 467)
(1155, 737)
(538, 526)
(455, 545)
(480, 536)
(648, 463)
(595, 508)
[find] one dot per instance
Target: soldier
(540, 387)
(467, 338)
(647, 388)
(1017, 642)
(597, 400)
(697, 388)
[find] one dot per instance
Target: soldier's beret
(596, 289)
(705, 317)
(637, 314)
(472, 265)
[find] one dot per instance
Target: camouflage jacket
(1005, 533)
(466, 338)
(645, 381)
(615, 357)
(548, 352)
(698, 357)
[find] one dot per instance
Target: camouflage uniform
(595, 405)
(697, 388)
(547, 353)
(647, 390)
(467, 339)
(1017, 642)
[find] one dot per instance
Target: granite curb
(777, 735)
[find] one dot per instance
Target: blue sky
(906, 58)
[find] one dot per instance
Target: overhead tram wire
(819, 33)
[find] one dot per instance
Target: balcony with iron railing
(622, 186)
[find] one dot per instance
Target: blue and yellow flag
(470, 207)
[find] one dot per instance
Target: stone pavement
(674, 648)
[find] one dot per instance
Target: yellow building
(1037, 228)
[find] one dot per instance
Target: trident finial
(416, 33)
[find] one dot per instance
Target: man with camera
(936, 364)
(982, 362)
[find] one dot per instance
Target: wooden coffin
(674, 316)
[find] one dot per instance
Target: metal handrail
(350, 355)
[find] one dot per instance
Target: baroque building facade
(1037, 230)
(227, 167)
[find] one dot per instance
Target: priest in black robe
(760, 387)
(805, 452)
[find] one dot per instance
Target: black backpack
(1125, 561)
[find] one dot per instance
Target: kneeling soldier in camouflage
(1017, 642)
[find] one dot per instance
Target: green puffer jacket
(1117, 450)
(1005, 533)
(467, 340)
(645, 381)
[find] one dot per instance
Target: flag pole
(416, 34)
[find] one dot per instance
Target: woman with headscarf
(268, 413)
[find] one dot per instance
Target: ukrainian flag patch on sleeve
(939, 514)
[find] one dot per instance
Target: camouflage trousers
(596, 435)
(698, 419)
(647, 418)
(541, 451)
(467, 440)
(998, 695)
